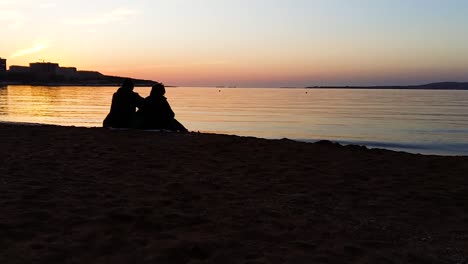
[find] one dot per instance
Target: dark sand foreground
(77, 195)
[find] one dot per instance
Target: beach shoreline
(93, 195)
(417, 149)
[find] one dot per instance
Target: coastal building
(3, 65)
(90, 74)
(47, 71)
(67, 72)
(52, 73)
(18, 69)
(44, 70)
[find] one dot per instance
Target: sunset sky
(254, 43)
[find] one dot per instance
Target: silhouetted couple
(154, 112)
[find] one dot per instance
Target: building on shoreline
(68, 72)
(48, 73)
(3, 67)
(44, 71)
(18, 69)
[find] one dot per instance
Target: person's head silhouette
(158, 90)
(127, 85)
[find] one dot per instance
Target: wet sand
(80, 195)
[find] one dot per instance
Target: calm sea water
(418, 121)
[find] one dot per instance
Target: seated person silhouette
(123, 108)
(156, 113)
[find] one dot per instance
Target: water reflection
(3, 101)
(390, 116)
(79, 106)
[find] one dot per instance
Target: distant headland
(52, 74)
(430, 86)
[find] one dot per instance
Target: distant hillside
(430, 86)
(446, 86)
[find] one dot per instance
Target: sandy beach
(92, 195)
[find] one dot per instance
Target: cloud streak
(35, 49)
(116, 15)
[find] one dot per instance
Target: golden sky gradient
(244, 43)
